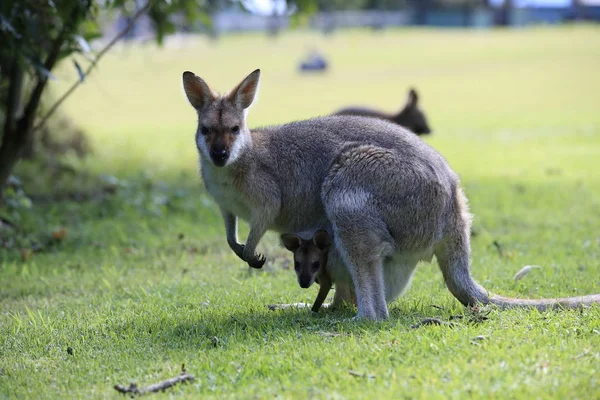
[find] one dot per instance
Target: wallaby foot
(257, 261)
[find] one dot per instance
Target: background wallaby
(310, 262)
(390, 199)
(410, 116)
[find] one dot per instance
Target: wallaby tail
(454, 254)
(546, 304)
(454, 257)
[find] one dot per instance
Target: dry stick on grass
(361, 375)
(102, 52)
(430, 321)
(157, 387)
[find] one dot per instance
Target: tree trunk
(8, 149)
(18, 134)
(9, 156)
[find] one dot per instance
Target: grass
(144, 281)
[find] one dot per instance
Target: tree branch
(106, 48)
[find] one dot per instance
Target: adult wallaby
(390, 199)
(410, 116)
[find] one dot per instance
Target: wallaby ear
(413, 98)
(291, 242)
(243, 94)
(196, 90)
(321, 240)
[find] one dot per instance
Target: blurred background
(93, 112)
(113, 260)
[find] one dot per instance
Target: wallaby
(389, 199)
(410, 116)
(310, 262)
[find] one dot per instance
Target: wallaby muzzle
(219, 156)
(305, 281)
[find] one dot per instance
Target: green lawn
(144, 280)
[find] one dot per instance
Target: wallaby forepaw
(257, 261)
(238, 249)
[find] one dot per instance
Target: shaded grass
(144, 280)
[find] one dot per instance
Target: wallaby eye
(315, 265)
(296, 265)
(235, 129)
(204, 130)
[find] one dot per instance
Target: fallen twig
(585, 353)
(361, 375)
(430, 321)
(332, 334)
(157, 387)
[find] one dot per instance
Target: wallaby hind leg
(363, 253)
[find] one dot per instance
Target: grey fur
(390, 199)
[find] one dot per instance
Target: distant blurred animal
(315, 61)
(410, 117)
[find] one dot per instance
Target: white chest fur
(219, 185)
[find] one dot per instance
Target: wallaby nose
(305, 282)
(219, 156)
